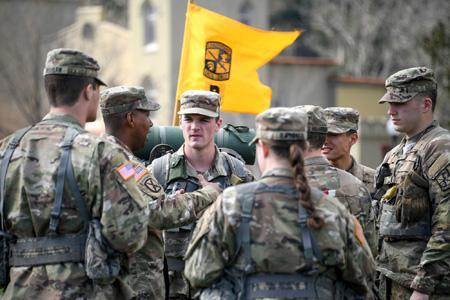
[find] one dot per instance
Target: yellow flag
(222, 55)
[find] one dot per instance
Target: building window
(149, 20)
(88, 31)
(246, 12)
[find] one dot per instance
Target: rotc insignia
(443, 178)
(152, 185)
(217, 61)
(140, 171)
(126, 170)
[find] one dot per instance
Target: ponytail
(301, 183)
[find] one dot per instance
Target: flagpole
(176, 108)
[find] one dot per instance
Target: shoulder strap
(246, 197)
(4, 168)
(306, 236)
(63, 170)
(235, 166)
(160, 169)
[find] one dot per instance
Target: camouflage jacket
(110, 195)
(422, 264)
(363, 173)
(176, 169)
(275, 235)
(146, 265)
(348, 189)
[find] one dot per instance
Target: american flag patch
(139, 172)
(126, 171)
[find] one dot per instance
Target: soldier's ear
(130, 119)
(427, 104)
(354, 137)
(218, 123)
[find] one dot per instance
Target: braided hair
(295, 153)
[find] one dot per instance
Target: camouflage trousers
(390, 290)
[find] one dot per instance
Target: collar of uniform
(355, 169)
(217, 168)
(418, 136)
(280, 172)
(62, 118)
(316, 160)
(115, 140)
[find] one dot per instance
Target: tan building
(147, 50)
(363, 94)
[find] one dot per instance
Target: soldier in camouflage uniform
(100, 173)
(335, 182)
(199, 121)
(414, 221)
(342, 135)
(278, 238)
(126, 112)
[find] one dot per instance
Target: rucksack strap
(305, 236)
(18, 135)
(160, 169)
(234, 166)
(59, 189)
(246, 194)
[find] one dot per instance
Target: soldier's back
(30, 189)
(276, 239)
(348, 189)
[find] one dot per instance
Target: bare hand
(179, 192)
(418, 296)
(203, 182)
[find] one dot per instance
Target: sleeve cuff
(423, 284)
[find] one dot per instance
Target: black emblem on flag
(217, 61)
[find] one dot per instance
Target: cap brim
(100, 81)
(150, 106)
(198, 111)
(336, 129)
(396, 98)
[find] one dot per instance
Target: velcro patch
(126, 170)
(438, 165)
(443, 178)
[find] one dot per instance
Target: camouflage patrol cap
(200, 102)
(64, 61)
(341, 119)
(316, 118)
(120, 99)
(281, 124)
(405, 84)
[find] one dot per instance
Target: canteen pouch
(102, 263)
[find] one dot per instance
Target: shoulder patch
(140, 171)
(443, 178)
(438, 165)
(126, 170)
(152, 185)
